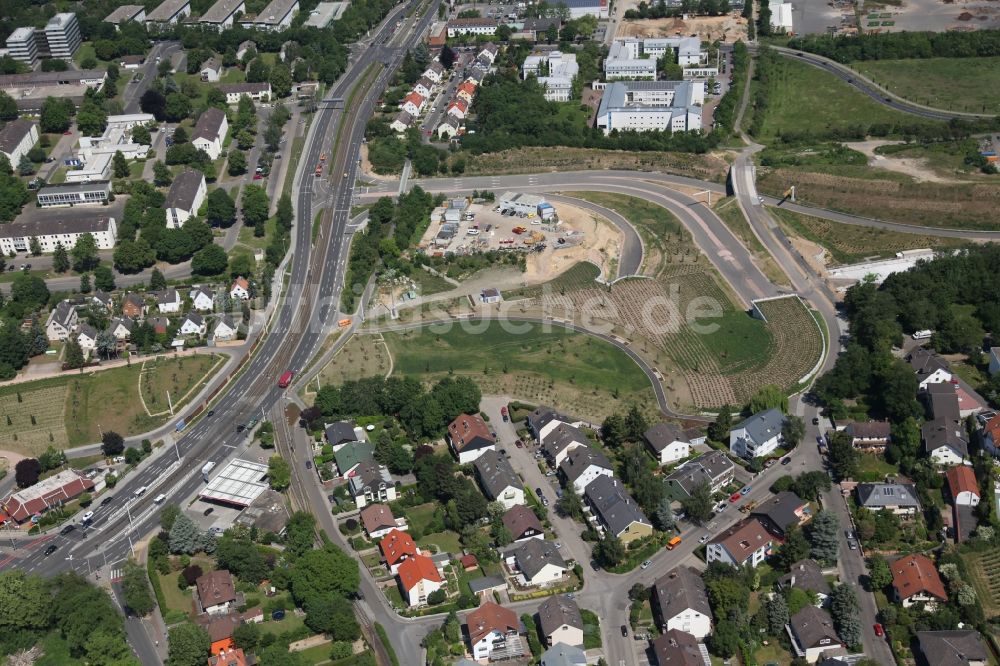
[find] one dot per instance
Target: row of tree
(901, 45)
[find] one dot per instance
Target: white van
(87, 517)
(140, 491)
(159, 498)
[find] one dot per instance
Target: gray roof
(87, 330)
(102, 297)
(184, 190)
(679, 590)
(703, 469)
(561, 654)
(539, 24)
(340, 432)
(213, 63)
(925, 361)
(69, 77)
(13, 133)
(496, 474)
(209, 125)
(869, 429)
(881, 495)
(127, 322)
(404, 118)
(202, 290)
(952, 648)
(807, 575)
(562, 436)
(123, 13)
(55, 225)
(275, 11)
(227, 320)
(613, 504)
(663, 435)
(166, 10)
(63, 312)
(557, 611)
(220, 11)
(811, 626)
(478, 585)
(534, 554)
(579, 461)
(677, 648)
(541, 417)
(167, 296)
(75, 188)
(944, 432)
(194, 318)
(762, 426)
(248, 87)
(943, 398)
(780, 510)
(425, 82)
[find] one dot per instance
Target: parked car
(735, 497)
(519, 444)
(878, 630)
(208, 511)
(786, 461)
(703, 539)
(645, 565)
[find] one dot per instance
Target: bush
(436, 597)
(191, 574)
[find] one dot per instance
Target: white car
(703, 539)
(159, 498)
(87, 516)
(646, 564)
(140, 491)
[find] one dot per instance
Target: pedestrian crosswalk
(116, 575)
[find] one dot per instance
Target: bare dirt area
(367, 169)
(731, 28)
(814, 253)
(933, 15)
(918, 169)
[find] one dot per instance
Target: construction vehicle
(534, 238)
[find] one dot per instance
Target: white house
(538, 561)
(240, 289)
(812, 633)
(469, 437)
(211, 69)
(54, 230)
(667, 442)
(680, 602)
(210, 132)
(186, 195)
(258, 92)
(413, 103)
(423, 86)
(498, 479)
(168, 301)
(87, 338)
(193, 324)
(747, 542)
(434, 71)
(561, 621)
(448, 128)
(61, 322)
(16, 139)
(472, 26)
(225, 329)
(492, 627)
(418, 577)
(757, 436)
(584, 464)
(401, 122)
(560, 441)
(202, 299)
(929, 367)
(121, 328)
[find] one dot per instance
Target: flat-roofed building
(222, 14)
(74, 194)
(169, 12)
(276, 16)
(238, 484)
(16, 236)
(21, 46)
(63, 35)
(629, 106)
(324, 13)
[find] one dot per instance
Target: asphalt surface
(133, 91)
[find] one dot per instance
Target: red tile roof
(397, 545)
(465, 430)
(215, 588)
(416, 569)
(915, 574)
(466, 86)
(962, 479)
(490, 617)
(415, 97)
(992, 429)
(53, 491)
(469, 561)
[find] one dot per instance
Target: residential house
(916, 580)
(561, 622)
(956, 647)
(470, 437)
(202, 299)
(538, 562)
(615, 511)
(232, 656)
(413, 103)
(713, 468)
(211, 69)
(217, 592)
(401, 122)
(523, 524)
(448, 128)
(121, 328)
(339, 433)
(487, 587)
(225, 329)
(258, 91)
(210, 132)
(168, 301)
(582, 465)
(678, 648)
(86, 337)
(680, 602)
(561, 654)
(780, 513)
(944, 437)
(396, 547)
(962, 485)
(489, 52)
(472, 26)
(62, 320)
(350, 456)
(498, 479)
(371, 483)
(222, 14)
(560, 441)
(435, 71)
(667, 443)
(193, 325)
(102, 299)
(240, 289)
(747, 542)
(378, 521)
(930, 368)
(423, 86)
(990, 435)
(187, 194)
(418, 578)
(159, 324)
(16, 138)
(466, 91)
(169, 12)
(757, 436)
(870, 436)
(133, 306)
(542, 421)
(899, 498)
(458, 108)
(812, 633)
(125, 13)
(494, 632)
(807, 575)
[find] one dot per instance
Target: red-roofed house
(466, 90)
(240, 289)
(493, 628)
(45, 494)
(396, 547)
(230, 657)
(991, 435)
(915, 580)
(963, 485)
(470, 437)
(458, 108)
(469, 562)
(413, 103)
(418, 577)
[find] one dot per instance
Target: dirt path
(916, 168)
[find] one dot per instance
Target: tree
(792, 431)
(609, 551)
(180, 136)
(107, 346)
(135, 589)
(26, 472)
(247, 636)
(777, 614)
(85, 283)
(447, 57)
(285, 215)
(161, 174)
(60, 259)
(112, 444)
(664, 516)
(322, 571)
(279, 473)
(34, 246)
(119, 165)
(132, 256)
(104, 278)
(823, 537)
(74, 357)
(698, 505)
(281, 80)
(300, 533)
(84, 253)
(613, 431)
(220, 210)
(237, 165)
(844, 458)
(56, 115)
(769, 396)
(635, 424)
(177, 107)
(570, 503)
(718, 430)
(8, 107)
(242, 559)
(844, 611)
(184, 536)
(210, 260)
(725, 639)
(141, 135)
(879, 573)
(332, 614)
(256, 205)
(156, 280)
(153, 101)
(13, 193)
(25, 167)
(168, 514)
(189, 645)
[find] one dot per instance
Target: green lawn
(177, 599)
(591, 630)
(429, 283)
(873, 468)
(288, 623)
(767, 654)
(808, 99)
(957, 84)
(446, 542)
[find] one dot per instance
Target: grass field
(362, 356)
(808, 99)
(571, 371)
(873, 468)
(74, 409)
(848, 244)
(956, 84)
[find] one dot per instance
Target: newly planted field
(362, 356)
(32, 420)
(578, 276)
(956, 84)
(985, 570)
(848, 244)
(164, 380)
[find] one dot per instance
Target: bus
(285, 379)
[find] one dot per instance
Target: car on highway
(735, 497)
(745, 491)
(251, 423)
(878, 630)
(66, 530)
(309, 464)
(240, 428)
(645, 565)
(159, 499)
(107, 500)
(87, 517)
(211, 412)
(51, 549)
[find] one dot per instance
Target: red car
(256, 176)
(878, 630)
(519, 444)
(735, 497)
(67, 133)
